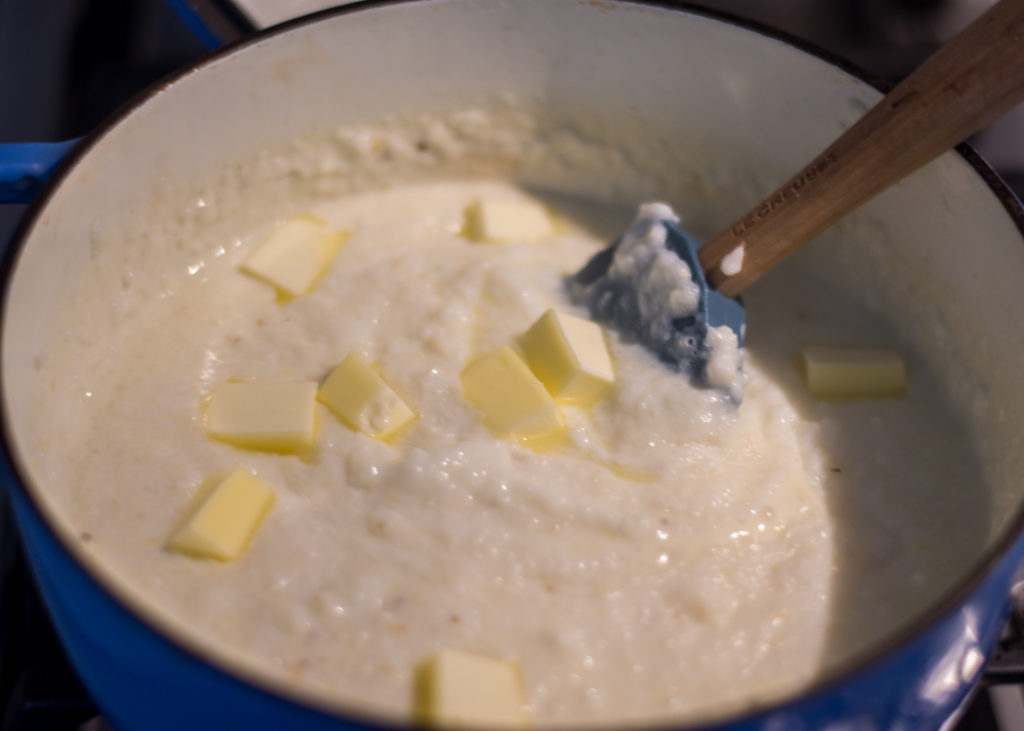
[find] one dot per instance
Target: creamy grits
(680, 557)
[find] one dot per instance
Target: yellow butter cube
(225, 521)
(569, 355)
(457, 689)
(841, 372)
(295, 256)
(275, 416)
(356, 393)
(514, 402)
(507, 221)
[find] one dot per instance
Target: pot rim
(830, 681)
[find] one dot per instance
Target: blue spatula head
(649, 286)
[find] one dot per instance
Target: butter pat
(295, 256)
(514, 402)
(360, 397)
(276, 416)
(840, 372)
(224, 522)
(569, 355)
(505, 222)
(457, 689)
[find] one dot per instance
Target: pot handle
(25, 166)
(1006, 666)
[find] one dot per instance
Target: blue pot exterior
(141, 680)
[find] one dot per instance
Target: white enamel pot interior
(736, 98)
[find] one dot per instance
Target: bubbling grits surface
(679, 557)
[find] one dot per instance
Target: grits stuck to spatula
(656, 287)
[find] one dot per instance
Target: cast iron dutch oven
(692, 75)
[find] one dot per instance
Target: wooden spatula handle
(971, 81)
